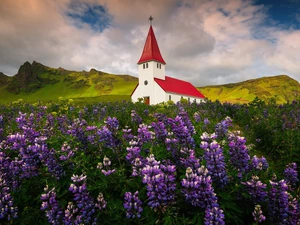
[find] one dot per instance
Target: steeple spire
(151, 50)
(150, 19)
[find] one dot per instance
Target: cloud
(285, 55)
(205, 42)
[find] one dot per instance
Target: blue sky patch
(282, 13)
(94, 15)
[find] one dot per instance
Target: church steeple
(151, 50)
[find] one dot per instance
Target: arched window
(146, 65)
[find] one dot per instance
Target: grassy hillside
(49, 84)
(282, 88)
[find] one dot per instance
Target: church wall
(176, 98)
(160, 94)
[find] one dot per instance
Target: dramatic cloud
(206, 42)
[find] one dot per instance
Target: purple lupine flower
(291, 174)
(137, 166)
(197, 188)
(183, 131)
(84, 202)
(188, 159)
(144, 134)
(152, 176)
(258, 214)
(206, 121)
(21, 120)
(215, 162)
(127, 134)
(105, 136)
(28, 156)
(221, 128)
(77, 129)
(172, 145)
(50, 205)
(7, 208)
(160, 181)
(167, 195)
(101, 203)
(132, 153)
(48, 158)
(1, 128)
(238, 151)
(70, 216)
(279, 202)
(68, 152)
(92, 134)
(132, 205)
(259, 163)
(214, 215)
(188, 123)
(112, 123)
(107, 164)
(256, 189)
(160, 131)
(135, 117)
(197, 117)
(10, 170)
(294, 210)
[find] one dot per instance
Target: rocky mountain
(4, 79)
(35, 81)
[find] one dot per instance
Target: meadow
(131, 163)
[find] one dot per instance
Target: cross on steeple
(150, 19)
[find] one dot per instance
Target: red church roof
(180, 87)
(151, 49)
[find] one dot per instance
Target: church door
(147, 100)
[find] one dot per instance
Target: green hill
(282, 88)
(36, 82)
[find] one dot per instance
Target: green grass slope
(282, 88)
(50, 84)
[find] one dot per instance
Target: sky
(205, 42)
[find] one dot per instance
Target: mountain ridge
(35, 81)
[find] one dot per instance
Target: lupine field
(126, 163)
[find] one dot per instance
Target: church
(154, 86)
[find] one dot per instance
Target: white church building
(154, 86)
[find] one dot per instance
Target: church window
(156, 65)
(170, 97)
(143, 66)
(159, 66)
(146, 65)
